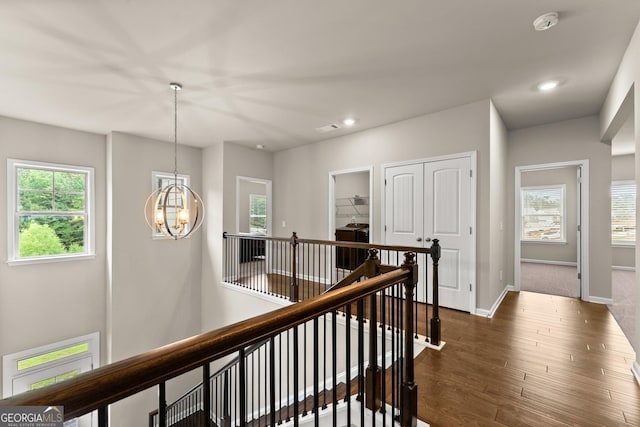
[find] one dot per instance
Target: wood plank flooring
(541, 361)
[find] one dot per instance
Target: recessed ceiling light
(546, 21)
(349, 121)
(260, 147)
(548, 85)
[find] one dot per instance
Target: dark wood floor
(541, 361)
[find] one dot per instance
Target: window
(257, 214)
(161, 180)
(50, 211)
(543, 213)
(623, 212)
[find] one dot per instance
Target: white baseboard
(635, 368)
(600, 300)
(489, 313)
(543, 261)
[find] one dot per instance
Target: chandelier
(174, 210)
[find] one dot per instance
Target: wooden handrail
(103, 386)
(339, 243)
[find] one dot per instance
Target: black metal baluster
(242, 386)
(296, 379)
(347, 396)
(162, 405)
(206, 392)
(316, 374)
(272, 383)
(334, 362)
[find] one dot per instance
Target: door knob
(428, 239)
(419, 239)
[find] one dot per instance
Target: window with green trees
(258, 214)
(50, 209)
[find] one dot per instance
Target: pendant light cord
(175, 134)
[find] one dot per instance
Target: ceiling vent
(328, 128)
(546, 21)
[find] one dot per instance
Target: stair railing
(97, 389)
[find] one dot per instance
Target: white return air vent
(328, 128)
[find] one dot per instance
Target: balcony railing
(282, 329)
(296, 269)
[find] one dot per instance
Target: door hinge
(579, 228)
(470, 173)
(470, 230)
(470, 288)
(385, 182)
(385, 228)
(579, 276)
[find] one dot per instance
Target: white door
(447, 185)
(429, 201)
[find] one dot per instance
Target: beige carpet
(561, 280)
(549, 279)
(623, 307)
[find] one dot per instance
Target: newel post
(294, 292)
(409, 389)
(373, 375)
(435, 319)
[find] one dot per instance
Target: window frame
(563, 220)
(13, 215)
(622, 243)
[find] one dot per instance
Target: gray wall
(623, 169)
(566, 141)
(302, 203)
(622, 99)
(154, 287)
(45, 303)
(561, 252)
(223, 163)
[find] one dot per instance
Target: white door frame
(583, 211)
(473, 160)
(332, 199)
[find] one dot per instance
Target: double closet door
(433, 200)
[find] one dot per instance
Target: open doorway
(623, 225)
(551, 238)
(350, 201)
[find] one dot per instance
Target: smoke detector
(546, 21)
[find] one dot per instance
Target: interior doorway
(551, 228)
(351, 201)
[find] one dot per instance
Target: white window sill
(546, 242)
(623, 245)
(28, 261)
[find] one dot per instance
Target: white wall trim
(600, 300)
(584, 223)
(489, 313)
(635, 368)
(544, 261)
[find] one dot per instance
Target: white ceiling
(271, 71)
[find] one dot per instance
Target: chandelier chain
(175, 133)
